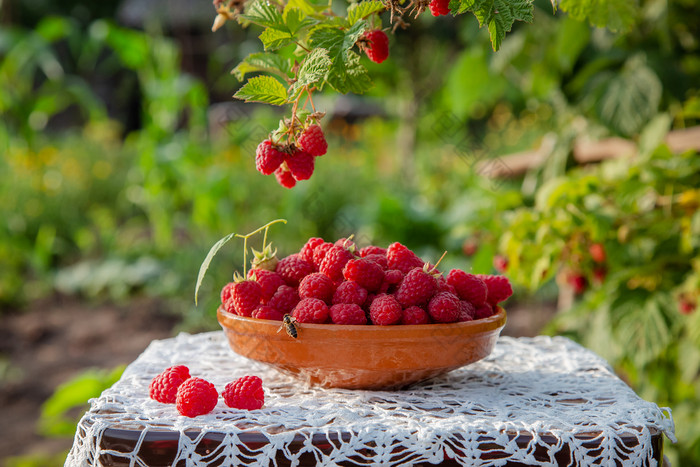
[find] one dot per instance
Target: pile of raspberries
(194, 396)
(337, 283)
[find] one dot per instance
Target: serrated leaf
(264, 14)
(346, 73)
(626, 101)
(309, 8)
(359, 11)
(264, 89)
(263, 62)
(274, 39)
(313, 69)
(616, 15)
(353, 77)
(497, 15)
(207, 261)
(295, 20)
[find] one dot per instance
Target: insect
(289, 324)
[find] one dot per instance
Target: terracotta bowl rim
(478, 326)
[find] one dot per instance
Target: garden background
(567, 160)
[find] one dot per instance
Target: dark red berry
(377, 45)
(439, 7)
(285, 178)
(417, 288)
(317, 285)
(293, 269)
(365, 272)
(301, 165)
(313, 141)
(267, 157)
(385, 310)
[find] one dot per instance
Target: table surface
(533, 401)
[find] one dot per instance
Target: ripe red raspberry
(372, 250)
(349, 292)
(320, 253)
(333, 263)
(317, 285)
(366, 273)
(444, 308)
(379, 259)
(244, 393)
(414, 315)
(267, 312)
(348, 313)
(439, 7)
(483, 311)
(392, 281)
(284, 177)
(311, 310)
(377, 48)
(293, 269)
(417, 288)
(599, 274)
(578, 281)
(500, 263)
(686, 306)
(268, 158)
(163, 387)
(444, 286)
(499, 288)
(269, 282)
(246, 296)
(301, 164)
(307, 251)
(470, 247)
(285, 299)
(468, 286)
(467, 311)
(385, 310)
(313, 141)
(196, 396)
(597, 251)
(401, 258)
(226, 292)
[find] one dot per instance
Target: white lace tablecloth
(532, 401)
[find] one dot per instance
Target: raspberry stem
(434, 268)
(250, 234)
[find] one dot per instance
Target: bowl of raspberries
(337, 315)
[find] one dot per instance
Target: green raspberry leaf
(497, 15)
(264, 14)
(295, 20)
(353, 78)
(265, 89)
(346, 74)
(274, 39)
(308, 7)
(616, 15)
(313, 69)
(359, 11)
(263, 62)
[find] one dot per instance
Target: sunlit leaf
(263, 89)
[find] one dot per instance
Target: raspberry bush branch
(218, 245)
(307, 47)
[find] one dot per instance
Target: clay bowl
(363, 357)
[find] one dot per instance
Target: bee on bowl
(289, 323)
